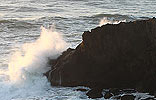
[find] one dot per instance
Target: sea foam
(27, 65)
(106, 20)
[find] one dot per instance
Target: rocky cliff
(111, 56)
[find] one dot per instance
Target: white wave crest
(105, 21)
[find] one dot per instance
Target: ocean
(33, 31)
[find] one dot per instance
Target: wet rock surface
(128, 97)
(111, 56)
(108, 95)
(94, 93)
(81, 89)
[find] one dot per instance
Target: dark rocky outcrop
(128, 97)
(81, 89)
(111, 56)
(108, 95)
(94, 93)
(115, 91)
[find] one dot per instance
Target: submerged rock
(115, 91)
(81, 89)
(111, 56)
(128, 97)
(108, 95)
(94, 93)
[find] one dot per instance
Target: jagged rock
(128, 97)
(94, 93)
(108, 95)
(115, 91)
(111, 56)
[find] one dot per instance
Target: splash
(31, 60)
(27, 65)
(105, 21)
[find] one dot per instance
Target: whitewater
(25, 78)
(27, 65)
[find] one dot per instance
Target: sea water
(33, 31)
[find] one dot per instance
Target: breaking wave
(27, 65)
(105, 20)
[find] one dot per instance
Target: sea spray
(27, 65)
(106, 20)
(33, 57)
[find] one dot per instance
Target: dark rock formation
(94, 93)
(111, 56)
(108, 95)
(115, 91)
(81, 89)
(128, 97)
